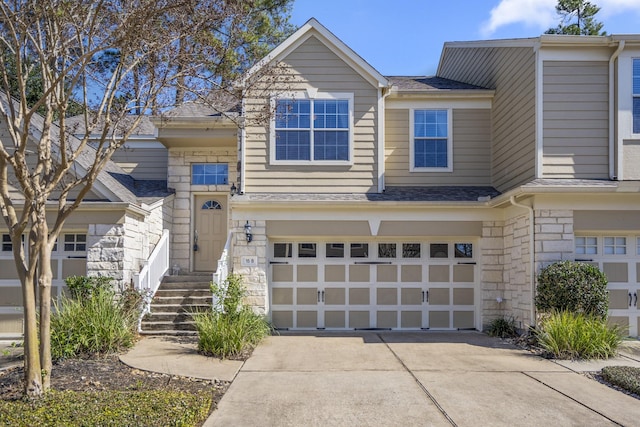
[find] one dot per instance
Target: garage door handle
(635, 298)
(467, 263)
(320, 296)
(425, 296)
(372, 262)
(278, 262)
(630, 299)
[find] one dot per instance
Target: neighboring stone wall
(492, 295)
(518, 298)
(255, 278)
(179, 178)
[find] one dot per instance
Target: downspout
(532, 257)
(383, 93)
(612, 99)
(243, 147)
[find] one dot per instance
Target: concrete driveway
(424, 378)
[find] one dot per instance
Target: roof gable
(312, 28)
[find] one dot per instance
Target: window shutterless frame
(428, 137)
(309, 118)
(636, 95)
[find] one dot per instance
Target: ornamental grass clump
(97, 321)
(231, 329)
(569, 335)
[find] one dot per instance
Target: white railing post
(222, 272)
(150, 276)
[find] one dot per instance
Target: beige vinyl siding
(471, 150)
(575, 117)
(510, 71)
(142, 163)
(314, 65)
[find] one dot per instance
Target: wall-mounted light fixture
(233, 190)
(247, 232)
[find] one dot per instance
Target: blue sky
(405, 37)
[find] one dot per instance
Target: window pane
(6, 243)
(463, 250)
(306, 250)
(209, 174)
(282, 250)
(386, 250)
(359, 250)
(439, 250)
(430, 153)
(636, 114)
(293, 114)
(636, 76)
(335, 250)
(430, 123)
(293, 145)
(331, 145)
(411, 250)
(331, 114)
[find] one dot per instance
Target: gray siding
(575, 118)
(471, 150)
(313, 65)
(510, 71)
(142, 163)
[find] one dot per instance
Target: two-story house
(348, 199)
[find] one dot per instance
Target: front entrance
(210, 231)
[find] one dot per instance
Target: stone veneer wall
(179, 178)
(492, 274)
(518, 298)
(554, 239)
(255, 278)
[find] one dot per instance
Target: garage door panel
(463, 319)
(282, 319)
(359, 296)
(282, 273)
(411, 296)
(359, 319)
(307, 296)
(618, 299)
(334, 319)
(387, 319)
(282, 296)
(616, 271)
(387, 273)
(411, 319)
(463, 296)
(334, 273)
(307, 273)
(411, 273)
(439, 296)
(335, 296)
(307, 319)
(387, 296)
(463, 273)
(438, 273)
(359, 273)
(439, 319)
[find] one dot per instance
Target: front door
(210, 231)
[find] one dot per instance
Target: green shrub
(113, 408)
(231, 328)
(85, 286)
(503, 327)
(572, 286)
(568, 335)
(625, 377)
(100, 322)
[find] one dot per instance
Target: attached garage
(390, 283)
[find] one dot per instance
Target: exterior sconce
(247, 232)
(233, 190)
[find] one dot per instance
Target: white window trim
(310, 95)
(412, 167)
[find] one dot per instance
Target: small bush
(567, 335)
(572, 286)
(99, 322)
(625, 377)
(115, 408)
(231, 328)
(503, 327)
(85, 286)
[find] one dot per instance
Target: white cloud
(614, 7)
(535, 13)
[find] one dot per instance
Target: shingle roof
(425, 83)
(391, 194)
(550, 183)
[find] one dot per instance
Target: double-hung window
(431, 143)
(313, 130)
(209, 173)
(636, 95)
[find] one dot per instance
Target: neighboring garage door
(618, 257)
(400, 284)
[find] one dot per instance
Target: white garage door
(618, 256)
(373, 284)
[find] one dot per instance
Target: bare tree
(114, 58)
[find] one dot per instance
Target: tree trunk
(44, 282)
(33, 369)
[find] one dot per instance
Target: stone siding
(554, 239)
(492, 295)
(255, 278)
(517, 269)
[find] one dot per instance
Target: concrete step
(206, 285)
(166, 325)
(183, 292)
(204, 278)
(182, 300)
(163, 316)
(179, 308)
(169, 332)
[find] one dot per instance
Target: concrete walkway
(427, 378)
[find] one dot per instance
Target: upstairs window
(431, 141)
(636, 96)
(312, 130)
